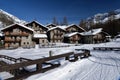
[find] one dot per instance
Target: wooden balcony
(12, 40)
(24, 34)
(17, 34)
(57, 38)
(74, 39)
(58, 33)
(7, 33)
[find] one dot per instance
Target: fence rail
(106, 48)
(39, 62)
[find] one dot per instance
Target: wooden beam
(28, 63)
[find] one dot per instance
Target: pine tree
(83, 24)
(65, 22)
(55, 21)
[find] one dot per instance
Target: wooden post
(76, 57)
(50, 53)
(39, 67)
(67, 58)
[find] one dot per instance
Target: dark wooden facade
(51, 25)
(38, 28)
(56, 35)
(17, 35)
(74, 39)
(74, 28)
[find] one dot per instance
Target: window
(24, 43)
(27, 42)
(26, 37)
(42, 41)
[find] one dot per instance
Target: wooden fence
(106, 48)
(23, 62)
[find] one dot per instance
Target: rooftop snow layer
(55, 28)
(18, 25)
(92, 32)
(71, 34)
(37, 23)
(1, 34)
(64, 27)
(40, 36)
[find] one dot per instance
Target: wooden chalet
(55, 35)
(74, 28)
(40, 34)
(38, 28)
(40, 39)
(73, 38)
(17, 35)
(51, 25)
(94, 36)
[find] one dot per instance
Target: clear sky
(44, 10)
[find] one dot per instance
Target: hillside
(110, 22)
(104, 17)
(7, 19)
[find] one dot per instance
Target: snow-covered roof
(40, 36)
(55, 28)
(37, 23)
(77, 26)
(71, 34)
(1, 34)
(118, 36)
(50, 24)
(18, 25)
(92, 32)
(64, 26)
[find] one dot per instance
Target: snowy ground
(102, 65)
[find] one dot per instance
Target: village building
(72, 28)
(17, 35)
(37, 27)
(94, 36)
(51, 25)
(73, 38)
(40, 33)
(40, 39)
(30, 34)
(55, 35)
(1, 39)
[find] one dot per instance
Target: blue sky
(44, 10)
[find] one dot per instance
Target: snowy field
(102, 65)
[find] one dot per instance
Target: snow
(37, 23)
(40, 36)
(1, 34)
(92, 32)
(55, 28)
(18, 25)
(71, 34)
(5, 75)
(102, 65)
(64, 27)
(17, 20)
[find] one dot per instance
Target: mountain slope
(7, 19)
(104, 17)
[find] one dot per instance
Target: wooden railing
(106, 48)
(12, 40)
(16, 34)
(38, 62)
(14, 59)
